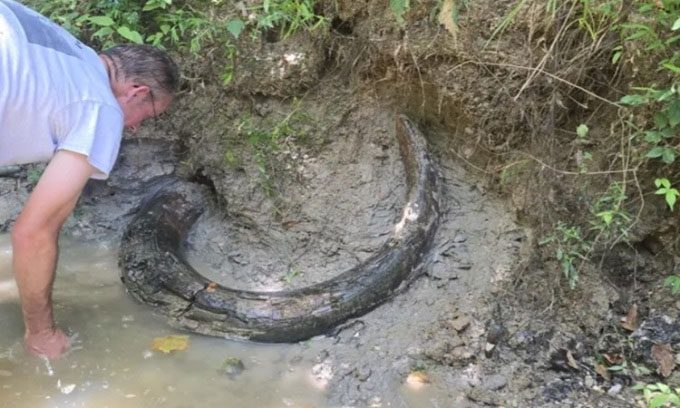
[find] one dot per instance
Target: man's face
(140, 103)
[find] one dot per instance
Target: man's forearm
(34, 261)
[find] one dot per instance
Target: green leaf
(399, 8)
(582, 131)
(676, 25)
(655, 152)
(633, 100)
(673, 113)
(151, 5)
(606, 216)
(660, 120)
(671, 67)
(658, 401)
(130, 35)
(235, 27)
(662, 182)
(103, 32)
(668, 155)
(663, 387)
(652, 136)
(103, 21)
(671, 198)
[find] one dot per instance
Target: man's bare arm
(35, 251)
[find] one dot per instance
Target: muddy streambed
(113, 364)
(348, 196)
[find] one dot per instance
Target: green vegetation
(659, 395)
(673, 282)
(157, 22)
(648, 35)
(267, 142)
(290, 275)
(183, 26)
(33, 175)
(571, 249)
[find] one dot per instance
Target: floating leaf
(170, 343)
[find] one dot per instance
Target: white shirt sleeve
(92, 129)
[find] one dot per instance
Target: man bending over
(62, 102)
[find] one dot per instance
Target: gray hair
(145, 64)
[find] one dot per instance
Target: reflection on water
(113, 365)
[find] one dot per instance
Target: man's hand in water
(52, 343)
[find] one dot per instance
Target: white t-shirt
(54, 94)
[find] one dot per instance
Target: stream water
(113, 365)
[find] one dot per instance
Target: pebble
(495, 382)
(589, 381)
(232, 367)
(615, 389)
(459, 324)
(459, 238)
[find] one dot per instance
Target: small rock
(589, 381)
(459, 324)
(488, 349)
(615, 389)
(5, 373)
(495, 382)
(232, 367)
(417, 379)
(363, 374)
(462, 353)
(483, 397)
(459, 238)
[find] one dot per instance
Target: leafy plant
(610, 218)
(673, 282)
(663, 187)
(33, 175)
(666, 120)
(157, 22)
(290, 275)
(570, 247)
(659, 395)
(399, 8)
(267, 140)
(284, 17)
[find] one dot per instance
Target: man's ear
(133, 91)
(138, 91)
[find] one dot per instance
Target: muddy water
(113, 364)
